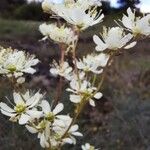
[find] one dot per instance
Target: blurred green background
(121, 118)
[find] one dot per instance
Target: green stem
(79, 109)
(104, 73)
(94, 79)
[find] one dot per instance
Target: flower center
(57, 136)
(136, 31)
(20, 108)
(41, 126)
(91, 148)
(11, 68)
(87, 94)
(61, 31)
(50, 117)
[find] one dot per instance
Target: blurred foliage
(128, 3)
(19, 9)
(32, 11)
(22, 11)
(6, 5)
(13, 29)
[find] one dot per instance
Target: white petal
(63, 117)
(18, 74)
(6, 107)
(87, 145)
(92, 103)
(54, 71)
(75, 98)
(59, 123)
(68, 140)
(130, 45)
(34, 100)
(77, 134)
(24, 119)
(21, 80)
(43, 141)
(29, 70)
(101, 46)
(31, 129)
(45, 106)
(98, 95)
(74, 128)
(8, 113)
(34, 113)
(73, 140)
(58, 108)
(17, 98)
(33, 62)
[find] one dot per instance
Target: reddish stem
(60, 83)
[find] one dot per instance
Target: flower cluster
(24, 109)
(82, 92)
(57, 7)
(93, 63)
(78, 13)
(58, 34)
(33, 111)
(63, 70)
(14, 63)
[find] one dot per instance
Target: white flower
(16, 63)
(69, 136)
(53, 126)
(50, 5)
(113, 39)
(93, 63)
(63, 70)
(77, 13)
(45, 134)
(43, 130)
(50, 125)
(24, 109)
(87, 146)
(80, 18)
(52, 115)
(58, 34)
(73, 131)
(137, 25)
(83, 91)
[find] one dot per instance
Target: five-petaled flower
(63, 70)
(136, 25)
(16, 63)
(79, 13)
(24, 108)
(93, 63)
(83, 91)
(60, 34)
(108, 41)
